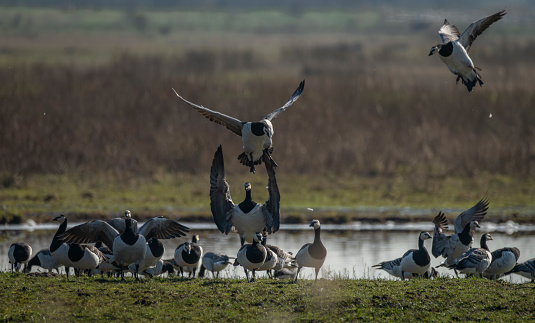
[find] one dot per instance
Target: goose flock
(117, 246)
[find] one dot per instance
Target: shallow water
(352, 249)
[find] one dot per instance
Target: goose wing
(477, 27)
(231, 123)
(162, 228)
(220, 200)
(271, 208)
(472, 258)
(475, 213)
(89, 232)
(448, 32)
(440, 240)
(294, 98)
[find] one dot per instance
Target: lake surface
(352, 249)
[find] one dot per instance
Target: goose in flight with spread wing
(248, 217)
(256, 136)
(453, 50)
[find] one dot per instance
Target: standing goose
(453, 246)
(248, 217)
(58, 249)
(188, 256)
(475, 260)
(284, 259)
(311, 254)
(128, 247)
(44, 260)
(252, 256)
(416, 261)
(256, 136)
(270, 262)
(19, 254)
(85, 257)
(503, 261)
(153, 253)
(215, 262)
(454, 48)
(525, 269)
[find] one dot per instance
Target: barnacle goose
(503, 260)
(453, 50)
(58, 249)
(188, 256)
(312, 254)
(252, 256)
(256, 136)
(525, 269)
(19, 254)
(44, 260)
(475, 260)
(248, 217)
(393, 267)
(215, 262)
(416, 261)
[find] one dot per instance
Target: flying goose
(453, 50)
(248, 217)
(188, 256)
(311, 254)
(453, 246)
(393, 267)
(58, 249)
(215, 262)
(44, 260)
(256, 136)
(252, 256)
(416, 261)
(19, 254)
(475, 260)
(525, 269)
(128, 247)
(503, 261)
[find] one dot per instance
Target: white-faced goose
(453, 50)
(503, 261)
(188, 256)
(453, 246)
(248, 217)
(416, 261)
(256, 136)
(128, 247)
(393, 267)
(44, 260)
(252, 256)
(215, 262)
(153, 253)
(58, 249)
(312, 254)
(19, 254)
(475, 260)
(525, 269)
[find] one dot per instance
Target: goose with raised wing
(256, 136)
(453, 50)
(248, 217)
(453, 246)
(312, 254)
(130, 246)
(475, 260)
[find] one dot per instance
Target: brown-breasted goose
(312, 254)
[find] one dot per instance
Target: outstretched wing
(162, 228)
(231, 123)
(475, 213)
(448, 32)
(271, 208)
(477, 27)
(89, 232)
(440, 240)
(294, 98)
(220, 200)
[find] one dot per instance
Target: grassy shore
(30, 298)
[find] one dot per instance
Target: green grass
(27, 298)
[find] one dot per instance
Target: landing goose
(393, 267)
(128, 247)
(188, 256)
(416, 261)
(503, 261)
(453, 246)
(475, 260)
(19, 254)
(453, 50)
(252, 256)
(312, 254)
(248, 217)
(44, 260)
(58, 249)
(256, 136)
(215, 262)
(525, 269)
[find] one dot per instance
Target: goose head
(247, 186)
(127, 214)
(195, 238)
(257, 237)
(315, 224)
(425, 235)
(60, 218)
(435, 49)
(474, 225)
(487, 237)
